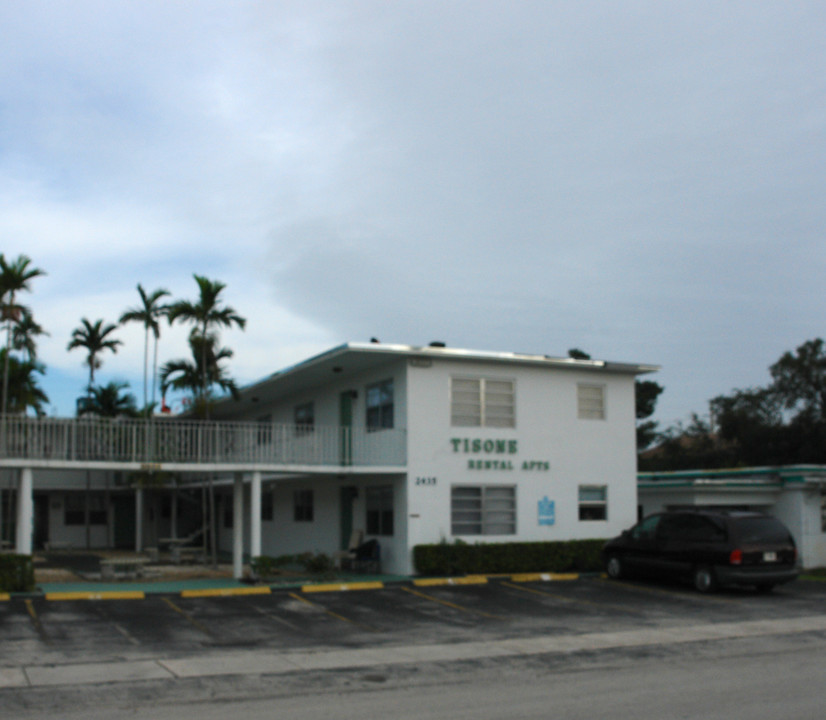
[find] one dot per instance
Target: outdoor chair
(368, 557)
(345, 558)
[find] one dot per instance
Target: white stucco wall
(570, 452)
(799, 508)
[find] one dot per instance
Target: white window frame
(590, 401)
(303, 505)
(481, 510)
(75, 505)
(380, 405)
(304, 418)
(589, 505)
(476, 402)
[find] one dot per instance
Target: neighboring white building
(795, 494)
(412, 445)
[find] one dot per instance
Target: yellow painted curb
(469, 580)
(224, 592)
(335, 587)
(543, 577)
(105, 595)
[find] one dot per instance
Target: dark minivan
(710, 548)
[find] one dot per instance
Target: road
(755, 679)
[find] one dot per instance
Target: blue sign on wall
(547, 511)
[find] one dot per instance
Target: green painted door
(346, 427)
(346, 497)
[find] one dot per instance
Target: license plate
(769, 557)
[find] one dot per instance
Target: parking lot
(38, 631)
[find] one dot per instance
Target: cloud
(640, 180)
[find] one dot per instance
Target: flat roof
(357, 357)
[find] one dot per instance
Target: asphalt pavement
(59, 640)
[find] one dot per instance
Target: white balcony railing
(170, 440)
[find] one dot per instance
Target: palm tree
(14, 278)
(23, 334)
(24, 392)
(148, 314)
(111, 401)
(207, 315)
(95, 339)
(188, 375)
(198, 376)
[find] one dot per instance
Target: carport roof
(729, 477)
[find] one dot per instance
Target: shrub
(462, 559)
(16, 573)
(316, 564)
(267, 566)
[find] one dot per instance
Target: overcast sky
(641, 180)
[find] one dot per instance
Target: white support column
(25, 513)
(255, 515)
(138, 519)
(238, 526)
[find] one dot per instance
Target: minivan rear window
(761, 529)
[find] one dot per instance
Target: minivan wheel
(704, 580)
(613, 567)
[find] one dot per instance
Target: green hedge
(463, 559)
(265, 566)
(16, 573)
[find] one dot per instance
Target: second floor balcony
(171, 443)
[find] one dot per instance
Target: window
(380, 405)
(646, 529)
(304, 418)
(593, 502)
(303, 506)
(689, 528)
(266, 506)
(482, 402)
(75, 509)
(379, 503)
(590, 402)
(486, 510)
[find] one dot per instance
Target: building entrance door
(124, 526)
(346, 427)
(346, 497)
(41, 520)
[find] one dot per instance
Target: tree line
(780, 423)
(197, 376)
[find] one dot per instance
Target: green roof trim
(789, 473)
(714, 484)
